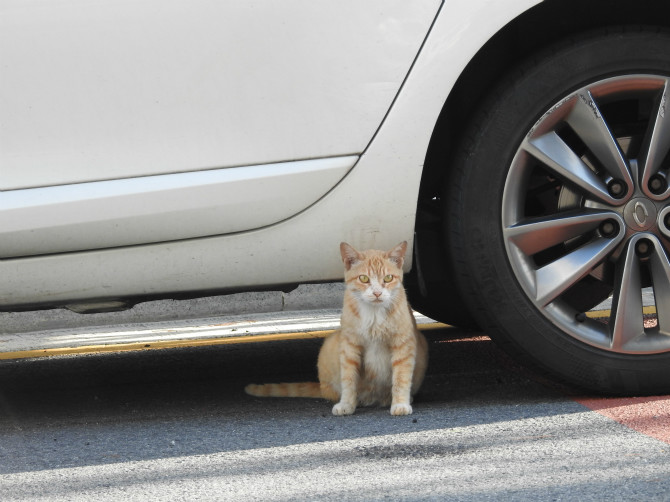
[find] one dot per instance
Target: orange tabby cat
(378, 356)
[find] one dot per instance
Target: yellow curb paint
(136, 346)
(433, 325)
(599, 314)
(173, 344)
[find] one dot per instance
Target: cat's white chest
(377, 362)
(372, 320)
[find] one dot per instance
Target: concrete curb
(239, 328)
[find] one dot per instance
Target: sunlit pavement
(647, 415)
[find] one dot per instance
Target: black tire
(510, 173)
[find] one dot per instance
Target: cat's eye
(388, 278)
(364, 279)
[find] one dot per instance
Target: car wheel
(559, 200)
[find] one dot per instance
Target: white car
(166, 147)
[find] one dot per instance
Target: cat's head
(374, 277)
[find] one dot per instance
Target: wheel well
(537, 28)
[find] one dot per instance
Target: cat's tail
(296, 389)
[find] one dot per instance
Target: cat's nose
(377, 293)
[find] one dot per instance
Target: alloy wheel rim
(586, 214)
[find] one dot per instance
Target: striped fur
(378, 357)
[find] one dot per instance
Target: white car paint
(373, 206)
(105, 89)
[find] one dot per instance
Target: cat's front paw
(401, 409)
(344, 409)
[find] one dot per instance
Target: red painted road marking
(648, 415)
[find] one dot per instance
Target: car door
(125, 123)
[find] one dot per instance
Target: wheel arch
(532, 31)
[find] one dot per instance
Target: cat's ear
(349, 255)
(397, 254)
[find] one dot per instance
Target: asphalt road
(176, 425)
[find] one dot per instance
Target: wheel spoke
(660, 276)
(589, 124)
(656, 144)
(533, 236)
(626, 321)
(554, 279)
(552, 151)
(586, 211)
